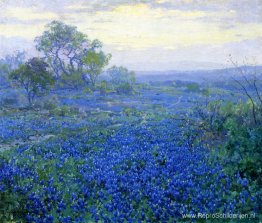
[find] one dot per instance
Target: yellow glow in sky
(142, 27)
(138, 26)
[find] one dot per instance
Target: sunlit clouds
(144, 26)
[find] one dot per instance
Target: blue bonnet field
(82, 141)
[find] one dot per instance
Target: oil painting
(130, 111)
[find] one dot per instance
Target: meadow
(81, 142)
(92, 157)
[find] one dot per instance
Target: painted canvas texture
(130, 111)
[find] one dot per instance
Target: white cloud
(29, 14)
(140, 27)
(162, 31)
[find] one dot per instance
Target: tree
(3, 74)
(94, 62)
(250, 87)
(8, 64)
(34, 77)
(64, 47)
(122, 79)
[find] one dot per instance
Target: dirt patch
(31, 140)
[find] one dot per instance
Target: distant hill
(197, 76)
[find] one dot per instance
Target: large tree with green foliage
(69, 52)
(34, 77)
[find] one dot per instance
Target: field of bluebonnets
(114, 149)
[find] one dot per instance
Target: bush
(64, 111)
(9, 100)
(243, 147)
(124, 88)
(229, 129)
(104, 88)
(87, 90)
(3, 81)
(48, 103)
(74, 80)
(122, 79)
(193, 87)
(132, 112)
(13, 99)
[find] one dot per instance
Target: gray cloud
(246, 11)
(243, 11)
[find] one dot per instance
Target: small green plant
(193, 87)
(132, 112)
(103, 88)
(124, 88)
(87, 90)
(63, 111)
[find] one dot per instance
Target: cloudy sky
(146, 34)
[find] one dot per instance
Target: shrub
(238, 139)
(13, 99)
(9, 100)
(132, 112)
(124, 88)
(73, 80)
(87, 90)
(48, 103)
(122, 79)
(104, 88)
(64, 111)
(193, 87)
